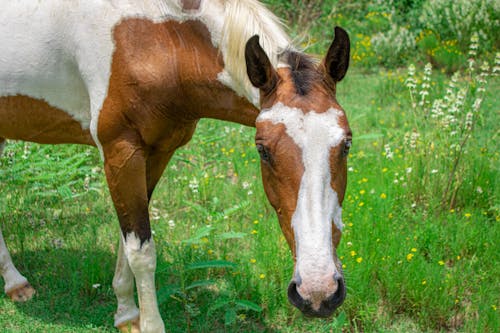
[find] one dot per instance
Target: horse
(132, 78)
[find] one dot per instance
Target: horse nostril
(294, 296)
(338, 297)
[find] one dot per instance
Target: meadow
(422, 219)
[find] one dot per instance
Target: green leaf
(202, 283)
(341, 319)
(211, 264)
(247, 305)
(218, 304)
(200, 233)
(230, 317)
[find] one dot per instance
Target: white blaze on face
(317, 203)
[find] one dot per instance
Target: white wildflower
(194, 185)
(388, 153)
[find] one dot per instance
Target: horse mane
(244, 19)
(235, 22)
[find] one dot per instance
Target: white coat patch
(61, 51)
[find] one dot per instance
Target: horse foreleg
(127, 314)
(125, 167)
(17, 286)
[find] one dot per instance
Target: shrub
(394, 47)
(437, 148)
(460, 19)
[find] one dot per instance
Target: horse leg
(125, 167)
(127, 314)
(17, 286)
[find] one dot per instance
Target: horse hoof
(131, 326)
(22, 293)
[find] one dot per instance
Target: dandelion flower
(383, 196)
(409, 256)
(262, 276)
(359, 260)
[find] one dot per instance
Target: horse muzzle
(317, 304)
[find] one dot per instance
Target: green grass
(223, 264)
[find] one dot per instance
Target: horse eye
(263, 152)
(347, 146)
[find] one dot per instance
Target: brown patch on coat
(30, 119)
(319, 98)
(282, 175)
(163, 79)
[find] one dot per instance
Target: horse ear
(259, 68)
(337, 58)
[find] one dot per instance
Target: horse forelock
(303, 69)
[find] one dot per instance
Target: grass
(223, 264)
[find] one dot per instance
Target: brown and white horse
(132, 78)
